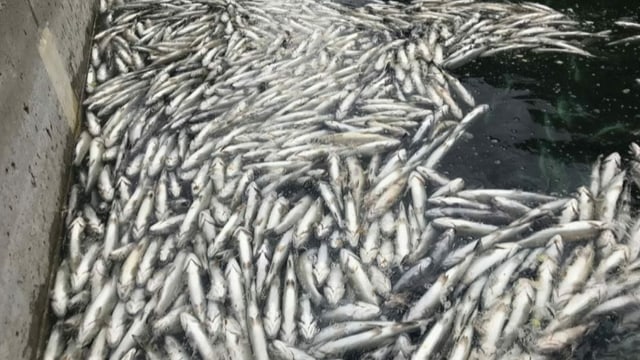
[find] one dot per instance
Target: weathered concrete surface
(36, 132)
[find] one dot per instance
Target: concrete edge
(72, 107)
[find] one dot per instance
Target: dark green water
(552, 115)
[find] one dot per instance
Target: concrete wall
(42, 47)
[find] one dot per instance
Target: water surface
(553, 115)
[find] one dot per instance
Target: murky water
(553, 114)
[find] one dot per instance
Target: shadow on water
(552, 115)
